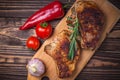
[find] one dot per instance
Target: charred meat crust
(92, 21)
(58, 49)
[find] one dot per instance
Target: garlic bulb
(36, 67)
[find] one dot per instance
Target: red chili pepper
(52, 11)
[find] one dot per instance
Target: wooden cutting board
(112, 15)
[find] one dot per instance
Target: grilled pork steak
(91, 20)
(58, 49)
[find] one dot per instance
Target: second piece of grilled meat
(92, 21)
(58, 49)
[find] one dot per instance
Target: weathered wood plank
(8, 24)
(24, 8)
(114, 34)
(18, 8)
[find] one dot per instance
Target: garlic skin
(36, 67)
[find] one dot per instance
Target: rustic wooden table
(104, 65)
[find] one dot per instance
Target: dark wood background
(14, 55)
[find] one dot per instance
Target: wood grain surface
(14, 55)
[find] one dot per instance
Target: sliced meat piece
(92, 21)
(58, 49)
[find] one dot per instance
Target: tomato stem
(44, 24)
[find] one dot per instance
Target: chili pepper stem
(65, 6)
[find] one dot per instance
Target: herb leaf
(73, 43)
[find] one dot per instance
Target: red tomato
(33, 43)
(43, 30)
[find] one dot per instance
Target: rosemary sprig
(73, 43)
